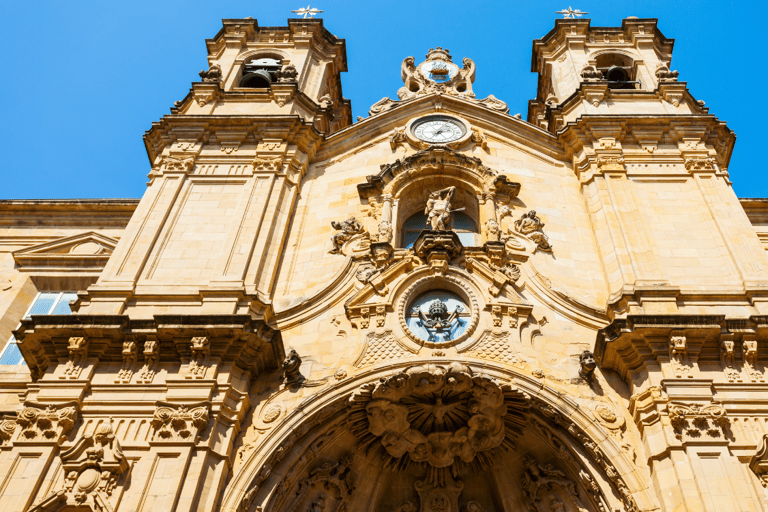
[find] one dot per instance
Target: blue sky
(84, 80)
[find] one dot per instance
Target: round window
(438, 316)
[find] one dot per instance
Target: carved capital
(41, 422)
(179, 423)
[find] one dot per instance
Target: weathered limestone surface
(278, 326)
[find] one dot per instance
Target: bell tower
(605, 70)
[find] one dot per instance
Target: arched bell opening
(411, 217)
(618, 70)
(258, 72)
(434, 437)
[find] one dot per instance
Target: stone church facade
(440, 307)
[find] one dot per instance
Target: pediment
(83, 251)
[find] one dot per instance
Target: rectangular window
(46, 303)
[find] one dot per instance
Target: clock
(438, 129)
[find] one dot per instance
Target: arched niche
(339, 450)
(401, 188)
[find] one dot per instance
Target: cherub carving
(347, 229)
(438, 210)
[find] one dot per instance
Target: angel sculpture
(438, 321)
(347, 229)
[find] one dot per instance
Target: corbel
(206, 92)
(672, 92)
(594, 92)
(648, 137)
(282, 92)
(230, 140)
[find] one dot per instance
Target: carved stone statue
(438, 210)
(347, 229)
(531, 226)
(588, 365)
(291, 368)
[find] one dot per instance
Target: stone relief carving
(129, 360)
(267, 164)
(439, 498)
(749, 351)
(199, 362)
(548, 489)
(454, 414)
(7, 429)
(398, 138)
(493, 103)
(347, 229)
(693, 421)
(616, 426)
(531, 226)
(728, 358)
(292, 369)
(92, 467)
(678, 354)
(247, 501)
(151, 356)
(179, 422)
(78, 353)
(438, 320)
(327, 488)
(587, 365)
(212, 75)
(699, 164)
(46, 422)
(180, 164)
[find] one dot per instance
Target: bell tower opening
(259, 73)
(618, 70)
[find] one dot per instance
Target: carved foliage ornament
(78, 354)
(179, 422)
(39, 422)
(436, 414)
(698, 421)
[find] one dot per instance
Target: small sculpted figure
(347, 229)
(291, 367)
(438, 210)
(588, 365)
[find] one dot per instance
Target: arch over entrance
(438, 437)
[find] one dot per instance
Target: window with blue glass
(46, 303)
(438, 316)
(461, 223)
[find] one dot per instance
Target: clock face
(439, 129)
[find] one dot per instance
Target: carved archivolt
(435, 414)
